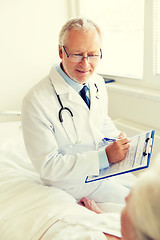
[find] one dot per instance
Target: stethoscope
(97, 92)
(70, 112)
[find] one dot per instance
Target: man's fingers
(122, 135)
(123, 140)
(116, 151)
(126, 146)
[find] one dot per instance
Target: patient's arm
(92, 205)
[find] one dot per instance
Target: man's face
(81, 43)
(127, 226)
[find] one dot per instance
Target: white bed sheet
(31, 211)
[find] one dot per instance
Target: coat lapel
(69, 96)
(64, 89)
(95, 117)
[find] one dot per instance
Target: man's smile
(82, 71)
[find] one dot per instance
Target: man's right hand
(117, 150)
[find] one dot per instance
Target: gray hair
(79, 24)
(146, 196)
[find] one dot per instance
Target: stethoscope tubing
(62, 108)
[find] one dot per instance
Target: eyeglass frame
(82, 57)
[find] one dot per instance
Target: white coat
(59, 162)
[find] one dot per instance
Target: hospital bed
(31, 211)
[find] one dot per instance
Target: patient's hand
(90, 204)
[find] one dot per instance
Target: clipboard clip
(148, 148)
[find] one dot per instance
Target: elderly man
(65, 119)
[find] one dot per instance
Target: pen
(114, 140)
(110, 139)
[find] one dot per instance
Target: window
(122, 27)
(157, 36)
(131, 38)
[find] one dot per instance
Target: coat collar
(58, 82)
(62, 87)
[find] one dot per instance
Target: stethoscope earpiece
(97, 92)
(97, 96)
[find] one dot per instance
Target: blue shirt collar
(75, 85)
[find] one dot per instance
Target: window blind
(157, 36)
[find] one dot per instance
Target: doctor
(65, 118)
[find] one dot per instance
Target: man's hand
(117, 150)
(122, 135)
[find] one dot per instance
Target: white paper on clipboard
(138, 157)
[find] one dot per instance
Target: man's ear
(60, 51)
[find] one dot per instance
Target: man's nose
(84, 61)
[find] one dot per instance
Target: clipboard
(137, 158)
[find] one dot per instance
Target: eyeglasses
(78, 57)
